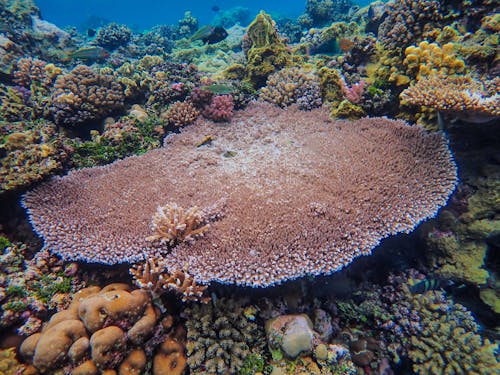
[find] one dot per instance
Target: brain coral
(297, 193)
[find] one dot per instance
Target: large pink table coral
(287, 193)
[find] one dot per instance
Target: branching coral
(153, 276)
(180, 114)
(460, 96)
(113, 36)
(173, 224)
(220, 337)
(428, 59)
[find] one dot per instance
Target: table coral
(461, 96)
(322, 227)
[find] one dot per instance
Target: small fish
(93, 53)
(206, 140)
(91, 32)
(431, 284)
(209, 34)
(229, 154)
(219, 89)
(215, 8)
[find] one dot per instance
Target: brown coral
(102, 330)
(460, 96)
(85, 95)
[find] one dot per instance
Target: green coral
(347, 109)
(108, 147)
(268, 53)
(329, 82)
(448, 343)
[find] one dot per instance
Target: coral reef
(29, 289)
(290, 154)
(84, 95)
(220, 337)
(113, 36)
(292, 85)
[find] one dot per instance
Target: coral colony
(260, 195)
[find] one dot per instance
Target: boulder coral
(101, 330)
(85, 95)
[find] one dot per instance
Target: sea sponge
(267, 53)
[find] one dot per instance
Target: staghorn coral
(461, 96)
(220, 337)
(84, 95)
(292, 85)
(153, 276)
(101, 330)
(180, 114)
(172, 224)
(113, 36)
(272, 169)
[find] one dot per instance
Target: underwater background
(249, 187)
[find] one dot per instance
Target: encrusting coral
(334, 212)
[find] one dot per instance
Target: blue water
(147, 13)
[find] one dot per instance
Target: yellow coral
(428, 59)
